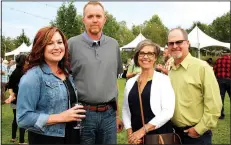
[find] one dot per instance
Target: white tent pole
(198, 43)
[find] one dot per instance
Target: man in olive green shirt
(198, 102)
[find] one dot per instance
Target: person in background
(125, 68)
(210, 61)
(133, 70)
(222, 72)
(157, 95)
(4, 76)
(198, 102)
(168, 60)
(13, 91)
(47, 94)
(96, 63)
(12, 67)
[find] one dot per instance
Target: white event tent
(22, 48)
(130, 46)
(30, 47)
(199, 39)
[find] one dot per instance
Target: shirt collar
(184, 63)
(93, 42)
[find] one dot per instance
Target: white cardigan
(162, 100)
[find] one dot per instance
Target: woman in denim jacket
(47, 92)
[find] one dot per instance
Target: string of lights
(29, 13)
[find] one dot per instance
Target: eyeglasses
(179, 42)
(149, 54)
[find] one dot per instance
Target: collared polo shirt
(198, 101)
(95, 66)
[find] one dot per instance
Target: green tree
(220, 28)
(124, 35)
(203, 27)
(68, 21)
(155, 30)
(117, 30)
(7, 45)
(125, 55)
(111, 26)
(136, 29)
(22, 38)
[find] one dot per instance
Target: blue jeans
(225, 86)
(99, 127)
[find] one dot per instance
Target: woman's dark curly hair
(20, 60)
(41, 40)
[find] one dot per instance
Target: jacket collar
(46, 69)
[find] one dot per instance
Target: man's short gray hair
(185, 34)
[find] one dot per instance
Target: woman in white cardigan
(157, 95)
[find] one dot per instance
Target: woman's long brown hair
(42, 38)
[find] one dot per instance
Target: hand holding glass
(78, 123)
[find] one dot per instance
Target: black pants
(14, 129)
(205, 139)
(225, 86)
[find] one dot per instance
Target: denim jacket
(41, 94)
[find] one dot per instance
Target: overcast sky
(31, 16)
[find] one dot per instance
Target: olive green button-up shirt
(198, 101)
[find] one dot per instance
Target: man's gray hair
(185, 34)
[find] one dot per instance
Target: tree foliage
(220, 28)
(204, 27)
(136, 29)
(111, 26)
(124, 35)
(7, 45)
(155, 30)
(68, 21)
(22, 38)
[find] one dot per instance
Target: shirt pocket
(189, 90)
(52, 89)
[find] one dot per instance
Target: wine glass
(78, 123)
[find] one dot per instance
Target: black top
(14, 81)
(134, 105)
(71, 92)
(72, 136)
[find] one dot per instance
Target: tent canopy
(199, 39)
(130, 46)
(133, 43)
(21, 48)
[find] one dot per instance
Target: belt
(182, 128)
(100, 107)
(97, 108)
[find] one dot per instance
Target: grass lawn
(221, 134)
